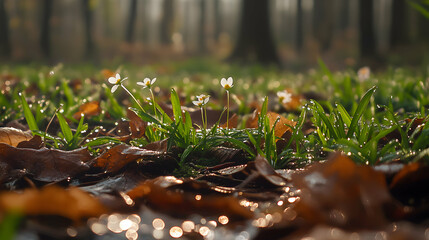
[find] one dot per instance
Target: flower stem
(202, 118)
(205, 117)
(132, 97)
(227, 109)
(153, 103)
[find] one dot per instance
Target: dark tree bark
(367, 39)
(87, 12)
(4, 30)
(398, 32)
(323, 23)
(129, 33)
(344, 15)
(202, 31)
(45, 34)
(255, 42)
(299, 26)
(167, 22)
(218, 20)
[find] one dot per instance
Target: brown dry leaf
(252, 121)
(232, 122)
(71, 203)
(261, 173)
(137, 125)
(88, 109)
(34, 143)
(282, 125)
(409, 175)
(119, 156)
(408, 186)
(107, 73)
(13, 136)
(184, 203)
(47, 165)
(340, 193)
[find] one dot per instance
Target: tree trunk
(87, 12)
(344, 15)
(398, 32)
(202, 30)
(299, 26)
(129, 34)
(323, 23)
(218, 20)
(255, 42)
(45, 35)
(4, 30)
(366, 40)
(167, 22)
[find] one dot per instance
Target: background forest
(292, 33)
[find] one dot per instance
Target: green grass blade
(264, 108)
(9, 225)
(65, 128)
(255, 143)
(68, 93)
(29, 117)
(240, 144)
(360, 110)
(344, 114)
(175, 102)
(321, 113)
(145, 117)
(419, 8)
(326, 71)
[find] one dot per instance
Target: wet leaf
(137, 125)
(157, 195)
(341, 193)
(47, 165)
(232, 122)
(71, 203)
(35, 143)
(119, 156)
(408, 186)
(283, 124)
(13, 136)
(257, 174)
(281, 128)
(88, 109)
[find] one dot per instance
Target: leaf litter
(129, 192)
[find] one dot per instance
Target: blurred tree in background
(290, 33)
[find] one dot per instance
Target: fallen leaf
(107, 73)
(408, 186)
(185, 203)
(232, 122)
(47, 165)
(137, 125)
(34, 143)
(119, 156)
(283, 124)
(13, 136)
(340, 193)
(71, 203)
(88, 109)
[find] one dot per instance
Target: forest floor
(183, 151)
